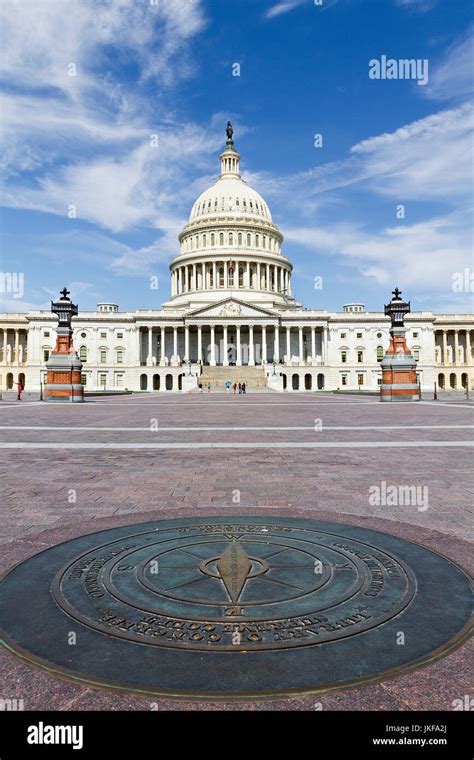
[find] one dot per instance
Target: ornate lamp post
(399, 381)
(64, 366)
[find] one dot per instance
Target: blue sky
(165, 68)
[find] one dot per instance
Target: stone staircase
(253, 377)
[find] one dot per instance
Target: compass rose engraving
(234, 567)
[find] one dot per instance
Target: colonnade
(457, 343)
(14, 352)
(247, 344)
(242, 274)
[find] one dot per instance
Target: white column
(248, 275)
(259, 277)
(213, 346)
(4, 355)
(214, 275)
(445, 347)
(199, 343)
(267, 269)
(186, 342)
(289, 283)
(226, 274)
(300, 345)
(456, 347)
(468, 347)
(194, 280)
(163, 347)
(150, 347)
(225, 358)
(288, 345)
(238, 361)
(276, 345)
(251, 347)
(264, 344)
(313, 345)
(17, 345)
(175, 344)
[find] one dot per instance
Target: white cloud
(425, 160)
(279, 8)
(422, 256)
(453, 77)
(419, 5)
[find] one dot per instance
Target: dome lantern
(229, 157)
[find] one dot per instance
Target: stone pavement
(72, 469)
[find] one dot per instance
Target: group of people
(241, 387)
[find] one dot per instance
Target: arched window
(204, 240)
(264, 241)
(143, 382)
(221, 238)
(256, 241)
(239, 239)
(379, 353)
(230, 277)
(213, 239)
(248, 239)
(83, 353)
(231, 238)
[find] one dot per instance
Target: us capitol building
(232, 316)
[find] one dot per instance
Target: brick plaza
(72, 469)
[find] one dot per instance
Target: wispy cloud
(453, 77)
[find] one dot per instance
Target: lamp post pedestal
(64, 366)
(399, 380)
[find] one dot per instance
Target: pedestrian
(227, 386)
(235, 387)
(20, 389)
(240, 388)
(208, 387)
(200, 387)
(244, 388)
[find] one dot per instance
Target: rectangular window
(343, 335)
(119, 381)
(46, 334)
(360, 379)
(103, 357)
(416, 354)
(360, 356)
(102, 379)
(119, 335)
(379, 381)
(344, 379)
(103, 335)
(46, 354)
(119, 357)
(359, 335)
(84, 378)
(415, 335)
(344, 357)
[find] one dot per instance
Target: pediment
(231, 308)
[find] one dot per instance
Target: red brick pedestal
(64, 366)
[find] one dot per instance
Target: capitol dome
(230, 246)
(230, 195)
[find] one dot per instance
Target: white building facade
(232, 316)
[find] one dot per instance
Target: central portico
(231, 297)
